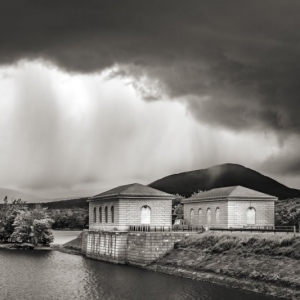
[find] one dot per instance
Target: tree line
(69, 218)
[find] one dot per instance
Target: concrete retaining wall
(146, 247)
(135, 248)
(107, 246)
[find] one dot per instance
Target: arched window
(217, 215)
(100, 214)
(106, 217)
(208, 212)
(112, 214)
(251, 216)
(95, 215)
(145, 214)
(192, 216)
(200, 216)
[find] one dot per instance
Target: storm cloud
(231, 65)
(235, 63)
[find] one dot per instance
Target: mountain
(223, 175)
(14, 194)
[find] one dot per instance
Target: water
(43, 275)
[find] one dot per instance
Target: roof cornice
(129, 196)
(231, 198)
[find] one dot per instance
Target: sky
(95, 94)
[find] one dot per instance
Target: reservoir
(43, 275)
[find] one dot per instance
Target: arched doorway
(145, 214)
(251, 216)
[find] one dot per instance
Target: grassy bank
(264, 263)
(72, 247)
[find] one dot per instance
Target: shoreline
(265, 274)
(13, 246)
(251, 285)
(259, 263)
(68, 250)
(255, 286)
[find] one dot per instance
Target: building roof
(230, 193)
(134, 190)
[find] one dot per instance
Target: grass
(267, 258)
(277, 245)
(75, 244)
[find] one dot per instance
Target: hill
(65, 204)
(15, 194)
(187, 183)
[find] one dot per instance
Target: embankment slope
(261, 263)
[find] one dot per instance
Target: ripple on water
(43, 275)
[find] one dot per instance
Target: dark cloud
(286, 161)
(235, 63)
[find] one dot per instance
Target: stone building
(234, 206)
(133, 204)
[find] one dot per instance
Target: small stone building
(234, 206)
(133, 204)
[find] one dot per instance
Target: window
(112, 214)
(145, 214)
(95, 215)
(251, 216)
(208, 215)
(200, 216)
(100, 214)
(106, 217)
(192, 216)
(217, 215)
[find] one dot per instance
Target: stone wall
(128, 212)
(84, 241)
(202, 218)
(237, 212)
(136, 248)
(146, 247)
(107, 246)
(103, 225)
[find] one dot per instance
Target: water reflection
(43, 275)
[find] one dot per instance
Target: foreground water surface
(42, 275)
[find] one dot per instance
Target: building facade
(130, 205)
(230, 207)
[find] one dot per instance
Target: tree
(196, 193)
(178, 211)
(8, 213)
(33, 226)
(68, 218)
